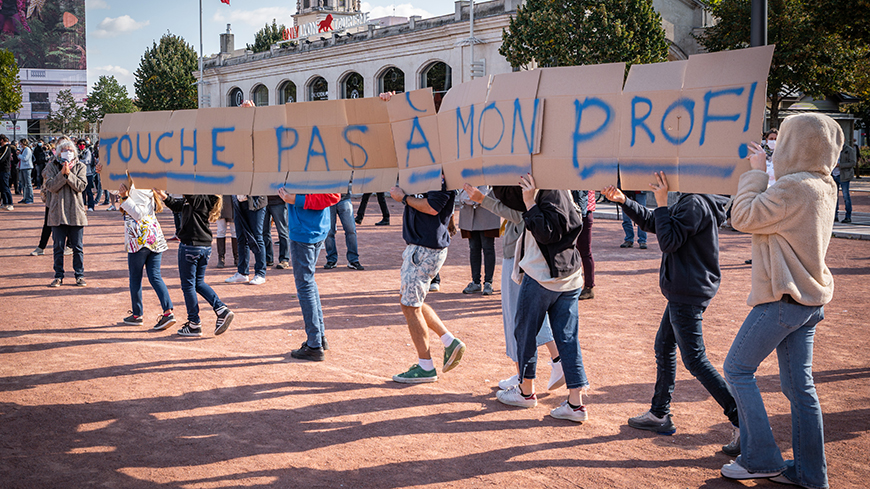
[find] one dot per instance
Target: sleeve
(437, 199)
(640, 215)
(77, 178)
(544, 220)
(498, 208)
(756, 210)
(137, 212)
(174, 203)
(318, 202)
(673, 230)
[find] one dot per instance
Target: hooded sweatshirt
(791, 221)
(688, 235)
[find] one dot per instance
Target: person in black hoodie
(197, 211)
(688, 235)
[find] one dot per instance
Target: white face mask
(771, 143)
(66, 155)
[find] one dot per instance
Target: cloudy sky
(119, 31)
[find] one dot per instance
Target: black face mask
(511, 196)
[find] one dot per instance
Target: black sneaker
(642, 246)
(847, 220)
(133, 320)
(56, 282)
(627, 244)
(329, 265)
(383, 222)
(308, 353)
(164, 322)
(223, 321)
(80, 282)
(732, 449)
(324, 344)
(358, 220)
(355, 265)
(650, 422)
(190, 329)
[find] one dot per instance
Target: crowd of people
(547, 268)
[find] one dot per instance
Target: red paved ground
(86, 401)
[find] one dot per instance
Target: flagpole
(199, 85)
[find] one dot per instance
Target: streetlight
(758, 23)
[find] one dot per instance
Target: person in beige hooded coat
(65, 180)
(791, 224)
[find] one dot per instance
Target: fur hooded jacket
(791, 221)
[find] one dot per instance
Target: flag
(225, 1)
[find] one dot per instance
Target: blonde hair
(215, 213)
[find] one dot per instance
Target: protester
(480, 227)
(249, 214)
(86, 157)
(25, 167)
(276, 211)
(585, 201)
(342, 211)
(41, 155)
(194, 250)
(308, 219)
(843, 174)
(6, 151)
(65, 180)
(145, 245)
(689, 276)
(226, 226)
(791, 226)
(382, 202)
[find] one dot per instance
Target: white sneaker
(513, 397)
(37, 252)
(112, 208)
(67, 251)
(508, 382)
(557, 376)
(433, 287)
(9, 208)
(564, 411)
(237, 278)
(735, 471)
(257, 280)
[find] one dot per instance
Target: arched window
(287, 92)
(318, 89)
(392, 80)
(437, 75)
(352, 86)
(235, 97)
(260, 95)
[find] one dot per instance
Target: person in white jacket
(791, 223)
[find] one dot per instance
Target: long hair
(215, 212)
(158, 203)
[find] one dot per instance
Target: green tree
(10, 84)
(107, 97)
(165, 77)
(265, 37)
(849, 19)
(582, 32)
(69, 117)
(807, 59)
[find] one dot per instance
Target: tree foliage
(165, 77)
(848, 19)
(10, 84)
(265, 37)
(107, 97)
(69, 117)
(807, 59)
(582, 32)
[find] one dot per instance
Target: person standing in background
(25, 167)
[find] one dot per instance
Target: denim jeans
(628, 225)
(70, 236)
(192, 261)
(5, 193)
(24, 180)
(533, 304)
(151, 261)
(847, 197)
(510, 292)
(249, 234)
(477, 244)
(89, 192)
(304, 256)
(343, 211)
(681, 326)
(278, 214)
(789, 329)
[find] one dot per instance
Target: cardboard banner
(576, 127)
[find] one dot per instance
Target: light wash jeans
(26, 184)
(628, 225)
(342, 211)
(789, 329)
(304, 258)
(510, 292)
(847, 197)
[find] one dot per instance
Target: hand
(613, 194)
(99, 168)
(123, 191)
(66, 168)
(159, 193)
(527, 183)
(757, 157)
(247, 103)
(397, 193)
(660, 189)
(386, 96)
(473, 193)
(286, 197)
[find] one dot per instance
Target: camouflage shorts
(419, 267)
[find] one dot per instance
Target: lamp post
(758, 23)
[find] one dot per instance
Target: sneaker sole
(310, 359)
(165, 326)
(559, 383)
(516, 403)
(731, 453)
(191, 335)
(455, 357)
(223, 327)
(666, 432)
(416, 380)
(131, 323)
(575, 419)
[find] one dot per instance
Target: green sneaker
(453, 354)
(416, 375)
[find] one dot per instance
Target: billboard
(44, 34)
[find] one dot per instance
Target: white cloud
(255, 18)
(97, 5)
(123, 75)
(401, 10)
(112, 27)
(112, 70)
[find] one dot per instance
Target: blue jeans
(151, 261)
(343, 211)
(5, 193)
(510, 292)
(89, 192)
(628, 225)
(71, 236)
(249, 234)
(192, 261)
(535, 302)
(304, 256)
(24, 180)
(278, 214)
(789, 329)
(847, 197)
(681, 326)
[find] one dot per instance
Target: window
(39, 103)
(260, 95)
(235, 97)
(439, 76)
(318, 89)
(352, 86)
(287, 92)
(392, 80)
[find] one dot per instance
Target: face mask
(771, 143)
(40, 144)
(66, 155)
